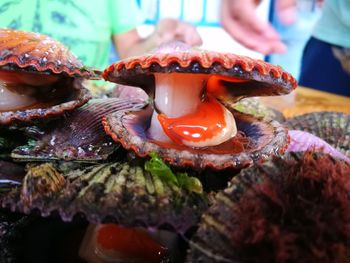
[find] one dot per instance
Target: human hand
(169, 29)
(240, 20)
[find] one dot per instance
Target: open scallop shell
(240, 77)
(30, 58)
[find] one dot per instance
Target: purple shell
(79, 137)
(303, 141)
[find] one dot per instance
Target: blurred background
(205, 15)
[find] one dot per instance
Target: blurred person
(326, 57)
(325, 61)
(294, 35)
(240, 20)
(88, 27)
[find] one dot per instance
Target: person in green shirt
(88, 27)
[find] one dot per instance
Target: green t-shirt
(334, 24)
(85, 26)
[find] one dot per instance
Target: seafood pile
(156, 177)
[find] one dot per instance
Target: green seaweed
(157, 167)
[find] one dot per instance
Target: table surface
(305, 100)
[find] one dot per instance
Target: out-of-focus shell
(78, 137)
(263, 210)
(78, 96)
(263, 138)
(333, 127)
(38, 57)
(254, 107)
(117, 192)
(34, 52)
(301, 141)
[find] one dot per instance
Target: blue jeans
(321, 70)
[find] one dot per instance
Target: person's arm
(240, 20)
(130, 43)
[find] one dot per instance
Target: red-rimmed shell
(236, 76)
(269, 80)
(39, 77)
(39, 53)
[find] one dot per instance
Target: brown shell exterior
(212, 241)
(129, 129)
(37, 52)
(80, 96)
(200, 61)
(107, 193)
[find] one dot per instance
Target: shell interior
(259, 139)
(68, 94)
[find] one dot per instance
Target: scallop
(188, 121)
(39, 77)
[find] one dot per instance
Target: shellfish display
(161, 176)
(39, 77)
(188, 123)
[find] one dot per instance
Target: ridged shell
(268, 79)
(214, 240)
(78, 137)
(333, 127)
(77, 97)
(303, 141)
(116, 192)
(36, 52)
(42, 181)
(265, 138)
